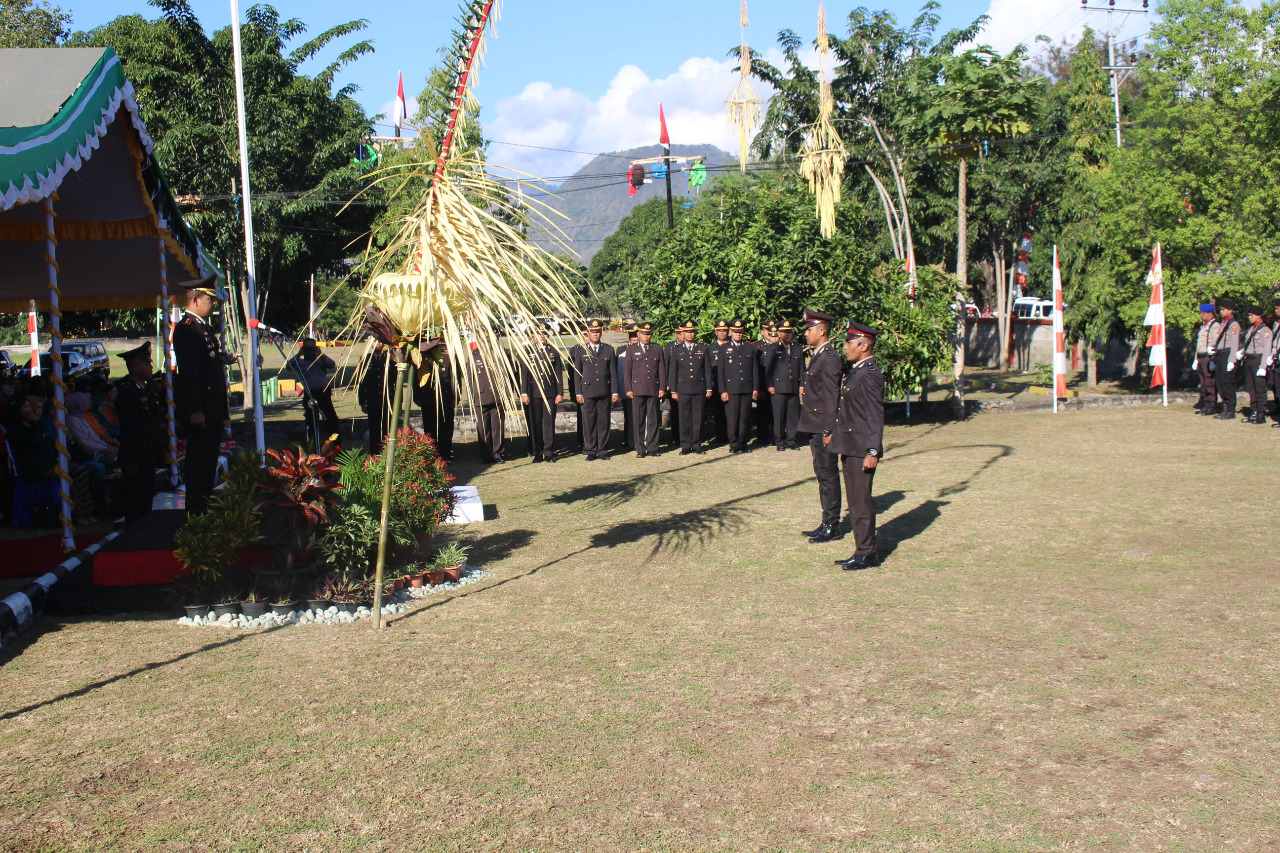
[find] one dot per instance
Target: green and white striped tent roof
(70, 129)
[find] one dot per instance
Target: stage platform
(143, 554)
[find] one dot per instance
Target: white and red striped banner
(1059, 337)
(401, 108)
(1155, 319)
(35, 340)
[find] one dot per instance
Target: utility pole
(666, 163)
(1111, 66)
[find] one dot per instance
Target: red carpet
(33, 557)
(143, 553)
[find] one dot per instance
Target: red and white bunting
(1155, 319)
(35, 340)
(1059, 337)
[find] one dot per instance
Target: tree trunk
(1004, 316)
(1091, 366)
(962, 275)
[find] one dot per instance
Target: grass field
(1072, 645)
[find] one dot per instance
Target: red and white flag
(402, 110)
(1155, 319)
(1059, 337)
(35, 340)
(662, 135)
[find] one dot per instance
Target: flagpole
(251, 314)
(1165, 389)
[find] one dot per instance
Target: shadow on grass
(499, 546)
(138, 670)
(608, 495)
(908, 525)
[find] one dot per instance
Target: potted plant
(194, 591)
(346, 594)
(452, 559)
(422, 496)
(282, 596)
(228, 604)
(207, 543)
(253, 604)
(321, 593)
(348, 544)
(295, 501)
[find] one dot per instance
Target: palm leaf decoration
(743, 104)
(823, 154)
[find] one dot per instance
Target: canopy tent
(86, 218)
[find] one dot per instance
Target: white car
(1032, 308)
(550, 322)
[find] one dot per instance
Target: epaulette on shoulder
(187, 321)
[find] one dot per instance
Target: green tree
(627, 251)
(303, 134)
(32, 23)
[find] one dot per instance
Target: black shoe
(603, 457)
(781, 448)
(551, 457)
(701, 451)
(591, 457)
(859, 561)
(537, 458)
(791, 445)
(640, 454)
(1225, 416)
(684, 451)
(744, 449)
(826, 533)
(814, 532)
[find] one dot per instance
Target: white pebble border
(401, 602)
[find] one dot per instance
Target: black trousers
(577, 416)
(542, 426)
(786, 414)
(1208, 394)
(673, 425)
(438, 423)
(1225, 381)
(377, 420)
(528, 427)
(645, 418)
(628, 418)
(324, 412)
(720, 413)
(1254, 385)
(826, 467)
(595, 425)
(139, 490)
(862, 509)
(764, 418)
(690, 406)
(201, 464)
(738, 417)
(491, 431)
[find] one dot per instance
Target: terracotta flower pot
(416, 581)
(398, 584)
(437, 578)
(454, 573)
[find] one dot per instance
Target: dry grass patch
(1071, 646)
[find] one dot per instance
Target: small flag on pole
(402, 110)
(662, 119)
(35, 340)
(1059, 337)
(1155, 319)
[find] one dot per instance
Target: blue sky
(589, 76)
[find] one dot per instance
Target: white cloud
(1015, 22)
(625, 116)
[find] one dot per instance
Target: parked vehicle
(94, 353)
(1032, 308)
(74, 365)
(551, 323)
(7, 366)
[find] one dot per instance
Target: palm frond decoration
(823, 155)
(743, 104)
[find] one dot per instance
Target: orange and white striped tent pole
(1155, 319)
(1059, 337)
(35, 340)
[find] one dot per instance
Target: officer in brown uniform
(721, 332)
(1225, 356)
(490, 419)
(818, 399)
(673, 422)
(783, 363)
(1256, 348)
(764, 400)
(737, 386)
(200, 390)
(1273, 370)
(541, 388)
(1205, 336)
(859, 440)
(646, 384)
(140, 441)
(595, 365)
(689, 375)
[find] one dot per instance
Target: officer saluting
(819, 396)
(646, 384)
(859, 439)
(200, 390)
(139, 415)
(737, 377)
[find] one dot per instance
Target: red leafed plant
(423, 495)
(298, 494)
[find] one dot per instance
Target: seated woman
(36, 456)
(100, 449)
(102, 410)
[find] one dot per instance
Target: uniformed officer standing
(491, 419)
(575, 354)
(596, 367)
(818, 399)
(1256, 348)
(1205, 337)
(1273, 369)
(1225, 357)
(721, 332)
(764, 400)
(673, 422)
(737, 386)
(623, 387)
(139, 415)
(438, 400)
(859, 440)
(373, 395)
(541, 388)
(200, 390)
(646, 384)
(784, 371)
(689, 375)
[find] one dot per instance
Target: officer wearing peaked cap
(819, 396)
(140, 433)
(596, 367)
(783, 363)
(689, 375)
(1225, 357)
(717, 347)
(646, 384)
(1256, 348)
(858, 439)
(200, 390)
(1205, 336)
(541, 389)
(737, 386)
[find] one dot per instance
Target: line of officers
(840, 413)
(1231, 354)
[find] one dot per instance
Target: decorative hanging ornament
(698, 174)
(743, 104)
(823, 154)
